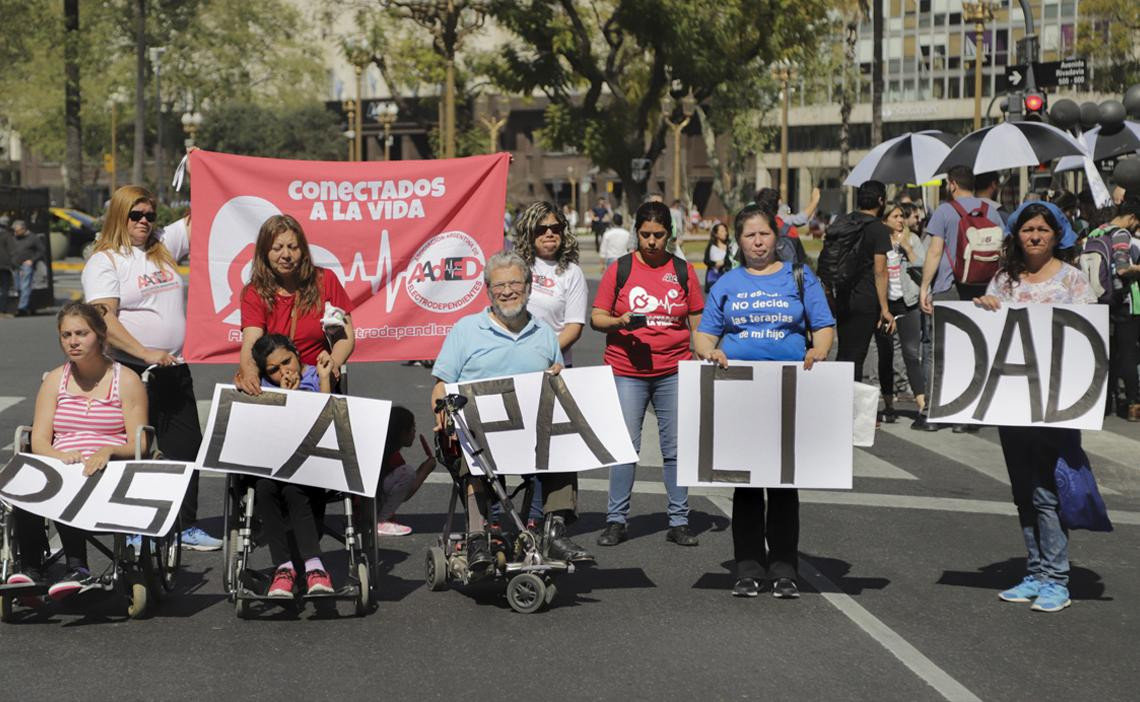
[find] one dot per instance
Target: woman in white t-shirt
(133, 273)
(558, 294)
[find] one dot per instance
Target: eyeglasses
(656, 235)
(136, 215)
(555, 229)
(515, 285)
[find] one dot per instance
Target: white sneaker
(392, 529)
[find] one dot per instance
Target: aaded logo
(446, 272)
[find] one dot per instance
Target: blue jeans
(1030, 457)
(635, 394)
(24, 278)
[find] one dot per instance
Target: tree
(606, 65)
(1109, 32)
(300, 131)
(73, 174)
(877, 72)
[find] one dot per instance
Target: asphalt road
(899, 575)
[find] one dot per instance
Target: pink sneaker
(318, 582)
(282, 585)
(392, 529)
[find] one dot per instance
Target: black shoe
(889, 416)
(561, 548)
(613, 534)
(479, 557)
(785, 589)
(746, 587)
(921, 423)
(966, 428)
(681, 536)
(23, 313)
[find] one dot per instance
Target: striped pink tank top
(87, 424)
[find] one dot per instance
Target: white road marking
(868, 465)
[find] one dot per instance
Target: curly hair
(524, 235)
(264, 281)
(1012, 259)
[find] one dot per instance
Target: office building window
(938, 89)
(955, 18)
(955, 88)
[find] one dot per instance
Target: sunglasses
(555, 229)
(136, 215)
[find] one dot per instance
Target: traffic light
(109, 163)
(1035, 106)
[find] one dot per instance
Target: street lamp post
(572, 176)
(190, 123)
(494, 123)
(387, 117)
(359, 56)
(784, 72)
(979, 13)
(156, 53)
(349, 107)
(118, 96)
(683, 106)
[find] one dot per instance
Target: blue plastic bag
(1081, 504)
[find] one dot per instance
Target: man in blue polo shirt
(499, 341)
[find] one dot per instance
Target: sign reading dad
(1022, 365)
(326, 441)
(538, 422)
(134, 497)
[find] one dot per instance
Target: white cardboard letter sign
(333, 442)
(1021, 365)
(765, 424)
(133, 497)
(537, 422)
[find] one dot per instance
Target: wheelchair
(520, 555)
(142, 577)
(245, 586)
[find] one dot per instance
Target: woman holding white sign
(764, 311)
(87, 412)
(288, 294)
(648, 304)
(1031, 272)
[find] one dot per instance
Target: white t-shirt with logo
(894, 274)
(152, 306)
(558, 299)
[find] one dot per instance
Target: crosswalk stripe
(868, 465)
(7, 401)
(1114, 447)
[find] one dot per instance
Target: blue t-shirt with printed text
(761, 317)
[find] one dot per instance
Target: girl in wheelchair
(284, 508)
(85, 411)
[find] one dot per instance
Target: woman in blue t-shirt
(758, 313)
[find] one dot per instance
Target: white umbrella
(903, 159)
(1010, 145)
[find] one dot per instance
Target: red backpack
(979, 246)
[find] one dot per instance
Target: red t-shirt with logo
(655, 349)
(309, 336)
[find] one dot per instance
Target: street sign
(1070, 73)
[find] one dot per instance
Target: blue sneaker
(194, 539)
(135, 541)
(1024, 591)
(1053, 598)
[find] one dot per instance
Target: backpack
(979, 246)
(788, 249)
(1095, 262)
(625, 267)
(839, 265)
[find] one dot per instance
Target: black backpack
(840, 261)
(625, 267)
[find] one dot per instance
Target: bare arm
(694, 323)
(344, 346)
(886, 319)
(603, 321)
(929, 269)
(123, 340)
(569, 335)
(821, 340)
(247, 379)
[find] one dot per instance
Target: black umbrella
(902, 159)
(1011, 145)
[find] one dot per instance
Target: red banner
(408, 239)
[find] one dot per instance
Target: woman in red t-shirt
(287, 294)
(648, 321)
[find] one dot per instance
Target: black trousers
(173, 412)
(766, 542)
(855, 329)
(33, 541)
(1124, 356)
(288, 515)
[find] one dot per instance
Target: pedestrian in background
(615, 242)
(716, 255)
(25, 250)
(5, 265)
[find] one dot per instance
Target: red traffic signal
(1034, 102)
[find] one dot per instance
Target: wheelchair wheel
(241, 608)
(137, 597)
(168, 558)
(435, 569)
(6, 608)
(364, 599)
(526, 593)
(551, 592)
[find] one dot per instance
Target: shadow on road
(1084, 584)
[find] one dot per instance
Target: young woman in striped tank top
(87, 411)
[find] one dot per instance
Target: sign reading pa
(134, 497)
(765, 424)
(407, 240)
(537, 422)
(310, 438)
(1021, 365)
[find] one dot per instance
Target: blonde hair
(116, 230)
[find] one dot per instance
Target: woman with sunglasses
(648, 304)
(133, 275)
(544, 239)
